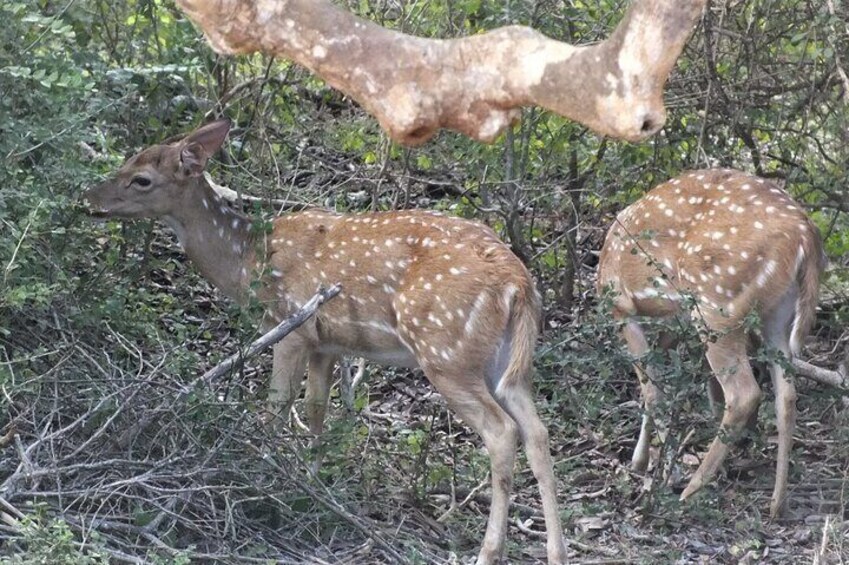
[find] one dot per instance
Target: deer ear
(200, 145)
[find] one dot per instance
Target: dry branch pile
(143, 467)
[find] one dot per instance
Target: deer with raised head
(738, 245)
(419, 289)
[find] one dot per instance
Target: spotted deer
(420, 289)
(738, 245)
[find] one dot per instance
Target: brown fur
(738, 244)
(420, 289)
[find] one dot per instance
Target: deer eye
(140, 181)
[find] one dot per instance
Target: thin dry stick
(13, 515)
(280, 331)
(330, 503)
(838, 63)
(236, 360)
(232, 196)
(456, 505)
(21, 241)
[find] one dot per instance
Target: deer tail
(810, 263)
(520, 336)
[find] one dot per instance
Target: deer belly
(376, 341)
(401, 357)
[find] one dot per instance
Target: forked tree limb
(233, 197)
(476, 84)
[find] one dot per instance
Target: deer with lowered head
(738, 245)
(419, 289)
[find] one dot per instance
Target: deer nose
(83, 199)
(650, 121)
(88, 201)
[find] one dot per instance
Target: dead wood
(474, 85)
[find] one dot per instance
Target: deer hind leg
(776, 332)
(288, 368)
(319, 378)
(730, 364)
(638, 346)
(715, 398)
(515, 395)
(517, 399)
(471, 400)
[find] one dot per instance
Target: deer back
(734, 241)
(439, 285)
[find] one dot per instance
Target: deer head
(152, 183)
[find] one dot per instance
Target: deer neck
(218, 239)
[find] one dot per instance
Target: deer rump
(738, 245)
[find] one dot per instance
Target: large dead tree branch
(476, 84)
(268, 339)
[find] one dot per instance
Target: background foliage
(100, 323)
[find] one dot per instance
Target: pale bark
(820, 375)
(474, 85)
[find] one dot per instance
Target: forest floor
(612, 515)
(418, 476)
(142, 469)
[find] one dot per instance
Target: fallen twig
(835, 379)
(455, 505)
(326, 500)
